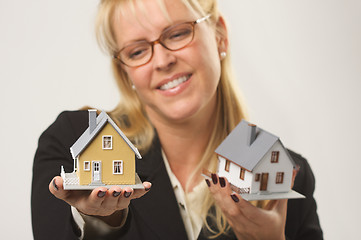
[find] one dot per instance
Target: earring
(223, 55)
(133, 87)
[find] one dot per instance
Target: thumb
(56, 188)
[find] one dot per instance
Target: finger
(217, 181)
(294, 174)
(221, 190)
(141, 192)
(281, 207)
(215, 188)
(271, 204)
(127, 192)
(147, 186)
(115, 191)
(56, 188)
(111, 199)
(95, 198)
(219, 187)
(253, 213)
(92, 204)
(247, 209)
(72, 197)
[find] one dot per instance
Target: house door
(264, 181)
(96, 171)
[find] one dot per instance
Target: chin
(182, 115)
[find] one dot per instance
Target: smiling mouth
(175, 82)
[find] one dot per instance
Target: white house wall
(265, 166)
(233, 176)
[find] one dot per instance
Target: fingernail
(116, 194)
(55, 186)
(208, 182)
(235, 198)
(101, 194)
(222, 182)
(127, 194)
(214, 178)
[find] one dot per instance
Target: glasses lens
(136, 54)
(177, 36)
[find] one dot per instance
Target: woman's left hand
(246, 220)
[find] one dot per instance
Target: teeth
(174, 83)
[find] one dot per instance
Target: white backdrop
(298, 65)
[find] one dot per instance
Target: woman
(179, 103)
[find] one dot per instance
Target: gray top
(236, 148)
(86, 138)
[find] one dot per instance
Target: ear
(221, 35)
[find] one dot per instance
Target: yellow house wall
(119, 151)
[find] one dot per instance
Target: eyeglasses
(173, 38)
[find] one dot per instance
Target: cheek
(139, 77)
(207, 52)
(210, 63)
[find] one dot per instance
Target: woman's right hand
(106, 204)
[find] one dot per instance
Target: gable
(95, 151)
(235, 146)
(283, 158)
(87, 137)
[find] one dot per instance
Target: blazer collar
(159, 207)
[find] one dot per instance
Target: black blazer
(154, 216)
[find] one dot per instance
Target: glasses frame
(152, 43)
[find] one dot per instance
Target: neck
(184, 143)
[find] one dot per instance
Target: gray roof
(235, 146)
(86, 138)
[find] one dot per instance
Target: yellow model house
(103, 156)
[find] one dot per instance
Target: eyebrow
(164, 29)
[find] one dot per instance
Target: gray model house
(256, 163)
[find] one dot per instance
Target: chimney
(92, 119)
(251, 134)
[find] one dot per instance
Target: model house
(103, 156)
(256, 163)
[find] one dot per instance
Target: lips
(175, 82)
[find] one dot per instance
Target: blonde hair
(130, 112)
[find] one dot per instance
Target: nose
(163, 59)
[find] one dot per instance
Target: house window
(242, 173)
(117, 167)
(274, 157)
(96, 167)
(279, 177)
(257, 177)
(86, 166)
(228, 163)
(107, 142)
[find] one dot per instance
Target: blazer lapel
(158, 207)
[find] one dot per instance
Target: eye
(136, 51)
(178, 33)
